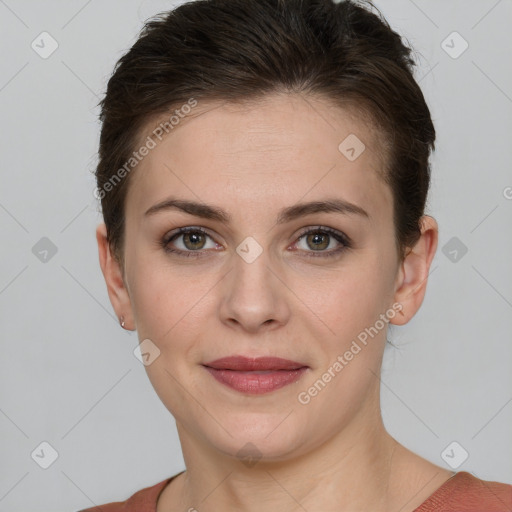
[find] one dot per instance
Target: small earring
(402, 313)
(122, 322)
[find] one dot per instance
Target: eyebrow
(288, 214)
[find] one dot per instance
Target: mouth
(255, 375)
(258, 364)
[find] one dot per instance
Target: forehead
(272, 152)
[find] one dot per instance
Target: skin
(251, 160)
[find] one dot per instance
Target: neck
(349, 471)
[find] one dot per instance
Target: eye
(193, 241)
(321, 238)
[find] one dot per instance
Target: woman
(263, 174)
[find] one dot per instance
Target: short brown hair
(237, 50)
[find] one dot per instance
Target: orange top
(463, 492)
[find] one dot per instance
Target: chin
(256, 436)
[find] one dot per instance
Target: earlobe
(112, 272)
(413, 274)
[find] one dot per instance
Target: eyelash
(338, 236)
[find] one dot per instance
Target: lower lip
(256, 383)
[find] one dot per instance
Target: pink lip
(247, 364)
(245, 375)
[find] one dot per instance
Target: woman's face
(258, 285)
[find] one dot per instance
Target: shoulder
(465, 492)
(143, 500)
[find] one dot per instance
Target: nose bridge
(251, 272)
(251, 262)
(253, 294)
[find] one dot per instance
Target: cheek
(169, 302)
(351, 302)
(358, 286)
(155, 299)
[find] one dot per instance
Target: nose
(255, 296)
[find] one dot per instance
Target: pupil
(194, 238)
(317, 239)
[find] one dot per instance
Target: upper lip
(242, 363)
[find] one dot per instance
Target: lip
(246, 364)
(255, 375)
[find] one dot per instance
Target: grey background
(68, 374)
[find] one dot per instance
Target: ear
(112, 272)
(411, 282)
